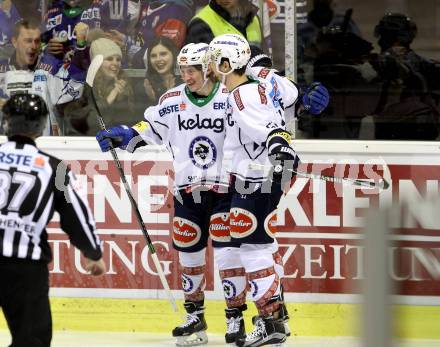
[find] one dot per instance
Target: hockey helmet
(395, 27)
(232, 47)
(194, 54)
(24, 113)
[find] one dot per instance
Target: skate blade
(196, 339)
(287, 329)
(279, 344)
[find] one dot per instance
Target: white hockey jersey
(253, 112)
(284, 90)
(193, 130)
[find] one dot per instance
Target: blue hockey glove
(316, 98)
(115, 137)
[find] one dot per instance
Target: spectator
(159, 18)
(113, 93)
(60, 22)
(8, 17)
(265, 23)
(109, 15)
(115, 18)
(342, 64)
(63, 16)
(48, 77)
(161, 67)
(322, 16)
(408, 108)
(225, 17)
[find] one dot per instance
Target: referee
(28, 199)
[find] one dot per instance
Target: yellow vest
(220, 26)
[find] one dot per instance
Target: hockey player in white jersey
(255, 133)
(190, 120)
(314, 100)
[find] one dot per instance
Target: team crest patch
(242, 222)
(187, 284)
(185, 232)
(229, 289)
(202, 152)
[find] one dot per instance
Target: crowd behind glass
(380, 87)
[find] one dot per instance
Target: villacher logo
(242, 222)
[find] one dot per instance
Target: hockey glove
(115, 137)
(281, 155)
(316, 98)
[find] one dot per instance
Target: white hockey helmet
(194, 54)
(233, 47)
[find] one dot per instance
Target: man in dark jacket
(409, 106)
(225, 17)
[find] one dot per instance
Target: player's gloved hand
(316, 98)
(281, 155)
(115, 137)
(284, 158)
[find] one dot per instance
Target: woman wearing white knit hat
(114, 94)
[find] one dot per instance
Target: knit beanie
(104, 46)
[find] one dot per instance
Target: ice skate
(234, 324)
(193, 331)
(267, 332)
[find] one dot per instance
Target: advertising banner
(319, 223)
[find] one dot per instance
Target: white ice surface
(95, 339)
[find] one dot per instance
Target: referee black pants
(24, 298)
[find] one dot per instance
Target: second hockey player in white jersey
(255, 134)
(190, 121)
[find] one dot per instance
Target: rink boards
(319, 232)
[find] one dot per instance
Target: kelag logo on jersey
(168, 109)
(202, 152)
(216, 124)
(64, 35)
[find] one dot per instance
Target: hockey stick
(91, 73)
(381, 184)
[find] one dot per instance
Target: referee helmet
(24, 114)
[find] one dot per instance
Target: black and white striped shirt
(33, 185)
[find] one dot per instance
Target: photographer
(408, 108)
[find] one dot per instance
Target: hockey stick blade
(381, 184)
(93, 69)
